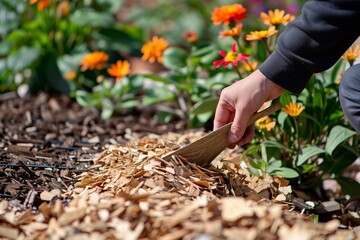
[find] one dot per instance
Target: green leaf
(275, 144)
(156, 95)
(111, 6)
(349, 186)
(157, 78)
(285, 98)
(129, 104)
(85, 99)
(206, 105)
(203, 118)
(308, 152)
(281, 118)
(22, 58)
(338, 134)
(255, 163)
(209, 58)
(107, 109)
(343, 157)
(88, 17)
(5, 47)
(174, 58)
(285, 172)
(307, 168)
(335, 70)
(112, 38)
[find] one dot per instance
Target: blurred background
(42, 42)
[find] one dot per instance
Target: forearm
(313, 42)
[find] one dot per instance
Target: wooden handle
(274, 107)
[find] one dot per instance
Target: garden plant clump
(168, 64)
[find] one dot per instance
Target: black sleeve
(313, 42)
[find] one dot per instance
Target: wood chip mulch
(132, 193)
(123, 189)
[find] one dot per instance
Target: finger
(248, 135)
(238, 126)
(223, 114)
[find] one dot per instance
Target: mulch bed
(47, 140)
(67, 174)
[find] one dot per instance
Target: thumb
(238, 126)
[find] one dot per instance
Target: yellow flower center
(231, 57)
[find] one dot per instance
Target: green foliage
(34, 40)
(110, 96)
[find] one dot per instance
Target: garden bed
(66, 173)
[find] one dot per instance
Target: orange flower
(265, 123)
(352, 53)
(70, 75)
(228, 14)
(258, 35)
(63, 9)
(233, 32)
(338, 80)
(276, 17)
(41, 4)
(232, 57)
(94, 60)
(191, 36)
(120, 69)
(293, 109)
(249, 66)
(153, 50)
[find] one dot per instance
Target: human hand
(239, 101)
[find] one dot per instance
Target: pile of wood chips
(132, 193)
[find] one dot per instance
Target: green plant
(42, 41)
(318, 143)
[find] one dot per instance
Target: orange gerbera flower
(258, 35)
(265, 123)
(153, 50)
(94, 60)
(293, 109)
(228, 14)
(232, 57)
(191, 36)
(249, 66)
(233, 32)
(41, 4)
(120, 69)
(352, 53)
(276, 17)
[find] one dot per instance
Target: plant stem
(297, 134)
(264, 41)
(238, 72)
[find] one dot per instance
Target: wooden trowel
(207, 148)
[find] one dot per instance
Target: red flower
(232, 57)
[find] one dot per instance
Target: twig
(33, 166)
(28, 170)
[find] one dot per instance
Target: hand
(239, 101)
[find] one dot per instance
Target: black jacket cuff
(293, 77)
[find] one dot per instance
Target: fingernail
(232, 137)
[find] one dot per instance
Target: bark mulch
(47, 140)
(66, 174)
